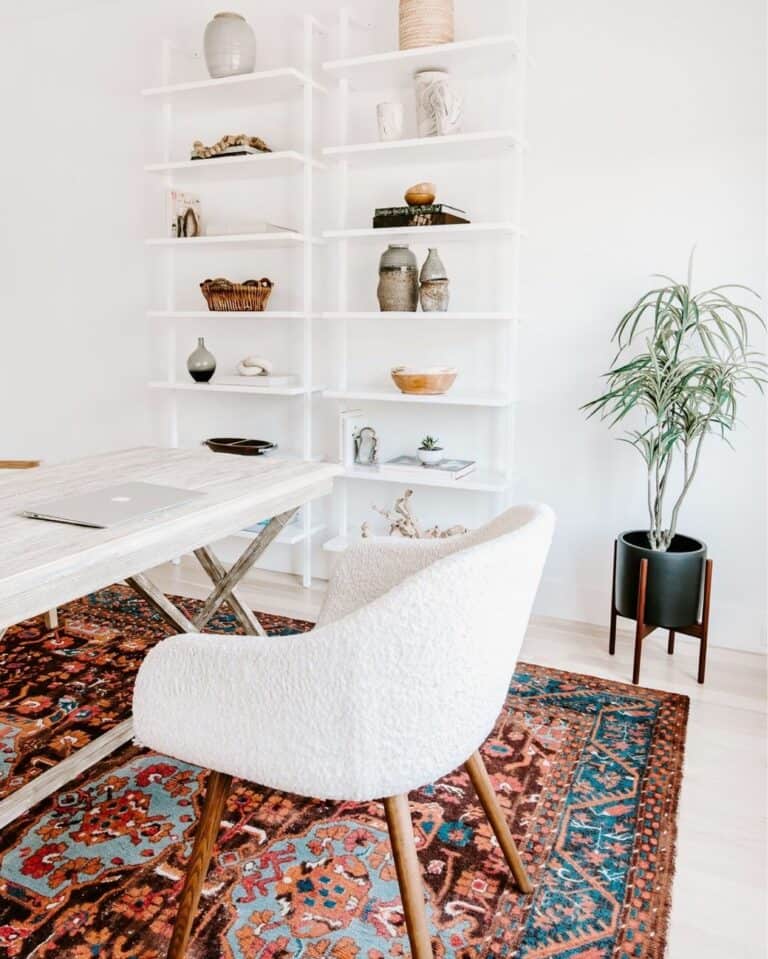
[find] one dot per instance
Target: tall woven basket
(425, 22)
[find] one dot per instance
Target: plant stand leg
(705, 621)
(640, 624)
(671, 642)
(612, 639)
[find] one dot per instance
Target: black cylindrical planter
(673, 593)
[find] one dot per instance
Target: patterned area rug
(587, 771)
(61, 689)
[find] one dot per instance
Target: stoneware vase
(390, 117)
(425, 22)
(675, 578)
(398, 290)
(230, 46)
(201, 363)
(438, 105)
(434, 290)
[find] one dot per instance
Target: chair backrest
(434, 655)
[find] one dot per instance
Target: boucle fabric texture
(401, 683)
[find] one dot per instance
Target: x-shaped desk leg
(224, 583)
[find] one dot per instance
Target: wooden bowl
(421, 194)
(427, 382)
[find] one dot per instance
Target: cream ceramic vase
(439, 108)
(230, 46)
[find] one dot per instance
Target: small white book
(455, 469)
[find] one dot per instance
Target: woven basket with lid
(425, 22)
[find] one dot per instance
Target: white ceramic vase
(438, 105)
(390, 119)
(230, 46)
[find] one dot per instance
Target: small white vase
(430, 457)
(438, 105)
(230, 46)
(390, 118)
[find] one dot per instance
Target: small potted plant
(682, 365)
(430, 452)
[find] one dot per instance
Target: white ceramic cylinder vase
(230, 46)
(390, 120)
(438, 105)
(424, 23)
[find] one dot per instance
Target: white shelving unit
(246, 93)
(502, 54)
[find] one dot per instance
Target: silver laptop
(112, 505)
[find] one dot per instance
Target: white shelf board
(486, 55)
(266, 86)
(450, 231)
(479, 481)
(338, 544)
(292, 535)
(213, 387)
(279, 163)
(418, 315)
(455, 147)
(281, 239)
(224, 314)
(445, 399)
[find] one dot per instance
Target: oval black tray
(238, 445)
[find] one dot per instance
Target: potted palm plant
(683, 362)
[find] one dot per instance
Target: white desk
(44, 565)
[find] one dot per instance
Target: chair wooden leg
(215, 797)
(671, 642)
(705, 622)
(612, 639)
(51, 619)
(640, 624)
(408, 875)
(484, 789)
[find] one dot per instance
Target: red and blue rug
(588, 772)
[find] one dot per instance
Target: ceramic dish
(242, 447)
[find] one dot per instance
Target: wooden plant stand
(643, 629)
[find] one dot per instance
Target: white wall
(647, 130)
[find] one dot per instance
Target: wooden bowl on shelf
(431, 381)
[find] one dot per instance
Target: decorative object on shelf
(230, 46)
(238, 445)
(184, 214)
(434, 289)
(398, 280)
(224, 296)
(366, 446)
(430, 452)
(427, 382)
(421, 194)
(201, 363)
(233, 144)
(436, 214)
(254, 366)
(424, 23)
(402, 522)
(452, 469)
(390, 121)
(691, 364)
(438, 105)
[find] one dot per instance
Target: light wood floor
(719, 896)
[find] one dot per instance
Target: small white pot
(230, 46)
(430, 457)
(390, 118)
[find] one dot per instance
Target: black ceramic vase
(675, 577)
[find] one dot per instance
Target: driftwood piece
(403, 523)
(201, 152)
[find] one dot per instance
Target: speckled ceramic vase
(398, 280)
(230, 46)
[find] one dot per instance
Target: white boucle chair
(400, 682)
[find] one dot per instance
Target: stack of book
(449, 468)
(436, 214)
